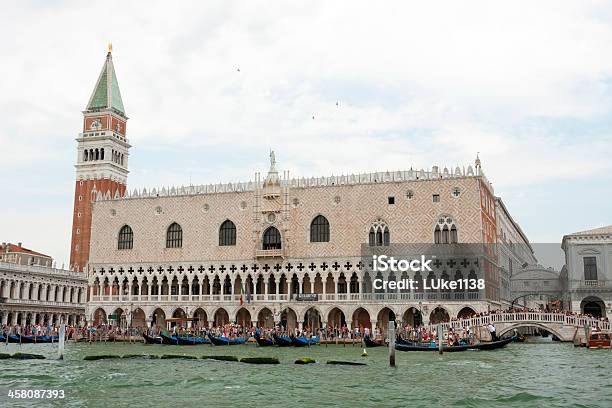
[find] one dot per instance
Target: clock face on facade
(271, 217)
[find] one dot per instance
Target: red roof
(19, 249)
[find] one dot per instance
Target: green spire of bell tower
(106, 94)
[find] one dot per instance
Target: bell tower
(102, 158)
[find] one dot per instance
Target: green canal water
(521, 375)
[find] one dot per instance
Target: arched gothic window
(319, 229)
(272, 239)
(126, 238)
(446, 231)
(102, 154)
(227, 233)
(379, 234)
(85, 155)
(174, 236)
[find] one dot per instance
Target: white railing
(594, 283)
(392, 297)
(270, 253)
(42, 303)
(528, 317)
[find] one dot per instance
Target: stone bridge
(565, 327)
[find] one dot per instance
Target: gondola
(152, 339)
(399, 340)
(168, 339)
(304, 341)
(263, 341)
(46, 339)
(192, 341)
(183, 341)
(16, 338)
(282, 341)
(226, 341)
(369, 342)
(434, 347)
(13, 338)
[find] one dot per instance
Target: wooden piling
(62, 340)
(440, 337)
(391, 335)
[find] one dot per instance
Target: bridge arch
(511, 327)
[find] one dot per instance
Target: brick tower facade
(102, 158)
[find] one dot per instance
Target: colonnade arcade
(330, 280)
(26, 289)
(43, 317)
(295, 315)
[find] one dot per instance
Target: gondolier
(493, 331)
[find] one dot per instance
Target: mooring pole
(391, 335)
(440, 336)
(62, 339)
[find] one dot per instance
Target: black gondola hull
(282, 341)
(451, 349)
(372, 343)
(151, 340)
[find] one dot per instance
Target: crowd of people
(233, 330)
(38, 330)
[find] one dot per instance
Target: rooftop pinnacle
(106, 94)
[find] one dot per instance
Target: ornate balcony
(591, 285)
(270, 253)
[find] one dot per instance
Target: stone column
(210, 323)
(324, 280)
(5, 318)
(266, 289)
(373, 322)
(312, 286)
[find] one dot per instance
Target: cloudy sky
(526, 84)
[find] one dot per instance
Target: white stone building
(514, 251)
(32, 294)
(277, 249)
(588, 261)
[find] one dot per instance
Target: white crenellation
(312, 182)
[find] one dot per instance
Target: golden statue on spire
(110, 47)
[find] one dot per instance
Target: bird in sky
(312, 117)
(238, 70)
(337, 103)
